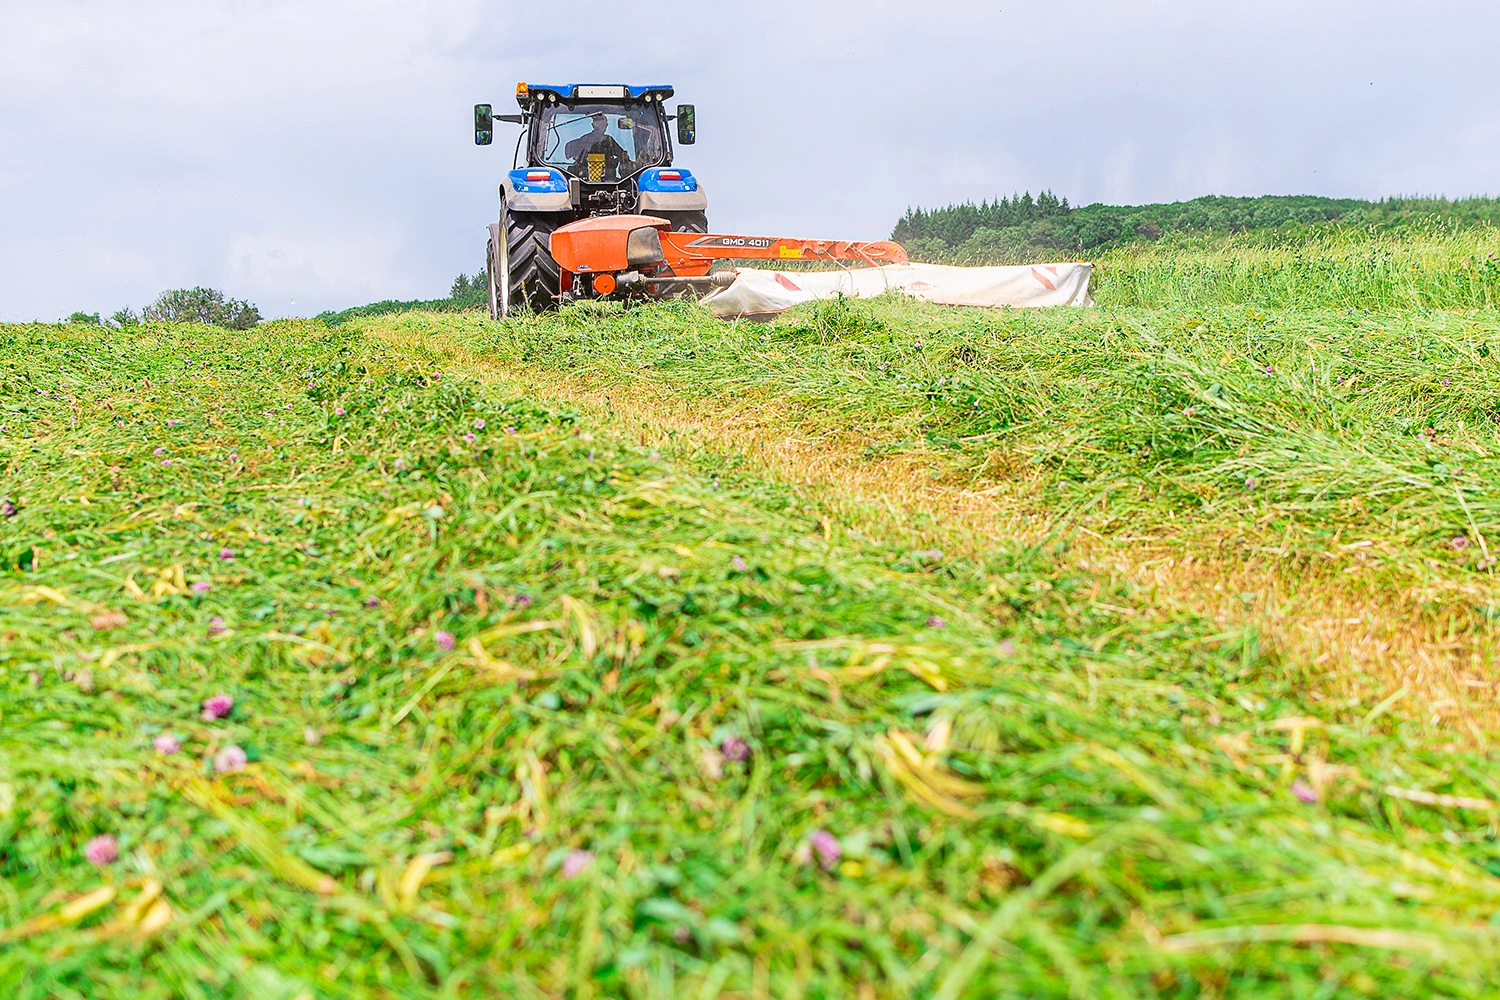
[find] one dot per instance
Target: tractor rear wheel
(524, 259)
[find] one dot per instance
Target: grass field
(880, 651)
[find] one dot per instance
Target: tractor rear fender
(525, 191)
(674, 201)
(671, 189)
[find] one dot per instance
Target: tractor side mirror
(484, 125)
(687, 124)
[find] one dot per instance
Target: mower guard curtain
(757, 292)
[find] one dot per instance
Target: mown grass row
(1432, 264)
(1429, 266)
(1321, 428)
(493, 669)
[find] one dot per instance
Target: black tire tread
(535, 277)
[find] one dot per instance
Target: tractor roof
(525, 92)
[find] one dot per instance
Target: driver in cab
(596, 155)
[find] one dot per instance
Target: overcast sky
(317, 154)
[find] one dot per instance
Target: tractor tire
(522, 271)
(685, 222)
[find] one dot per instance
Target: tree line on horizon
(1021, 226)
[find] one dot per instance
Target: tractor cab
(600, 141)
(587, 150)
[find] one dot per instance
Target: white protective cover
(757, 292)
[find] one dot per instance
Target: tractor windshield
(600, 143)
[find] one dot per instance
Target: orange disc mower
(620, 256)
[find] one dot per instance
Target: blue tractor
(590, 149)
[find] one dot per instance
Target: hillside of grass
(1024, 229)
(1431, 266)
(883, 650)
